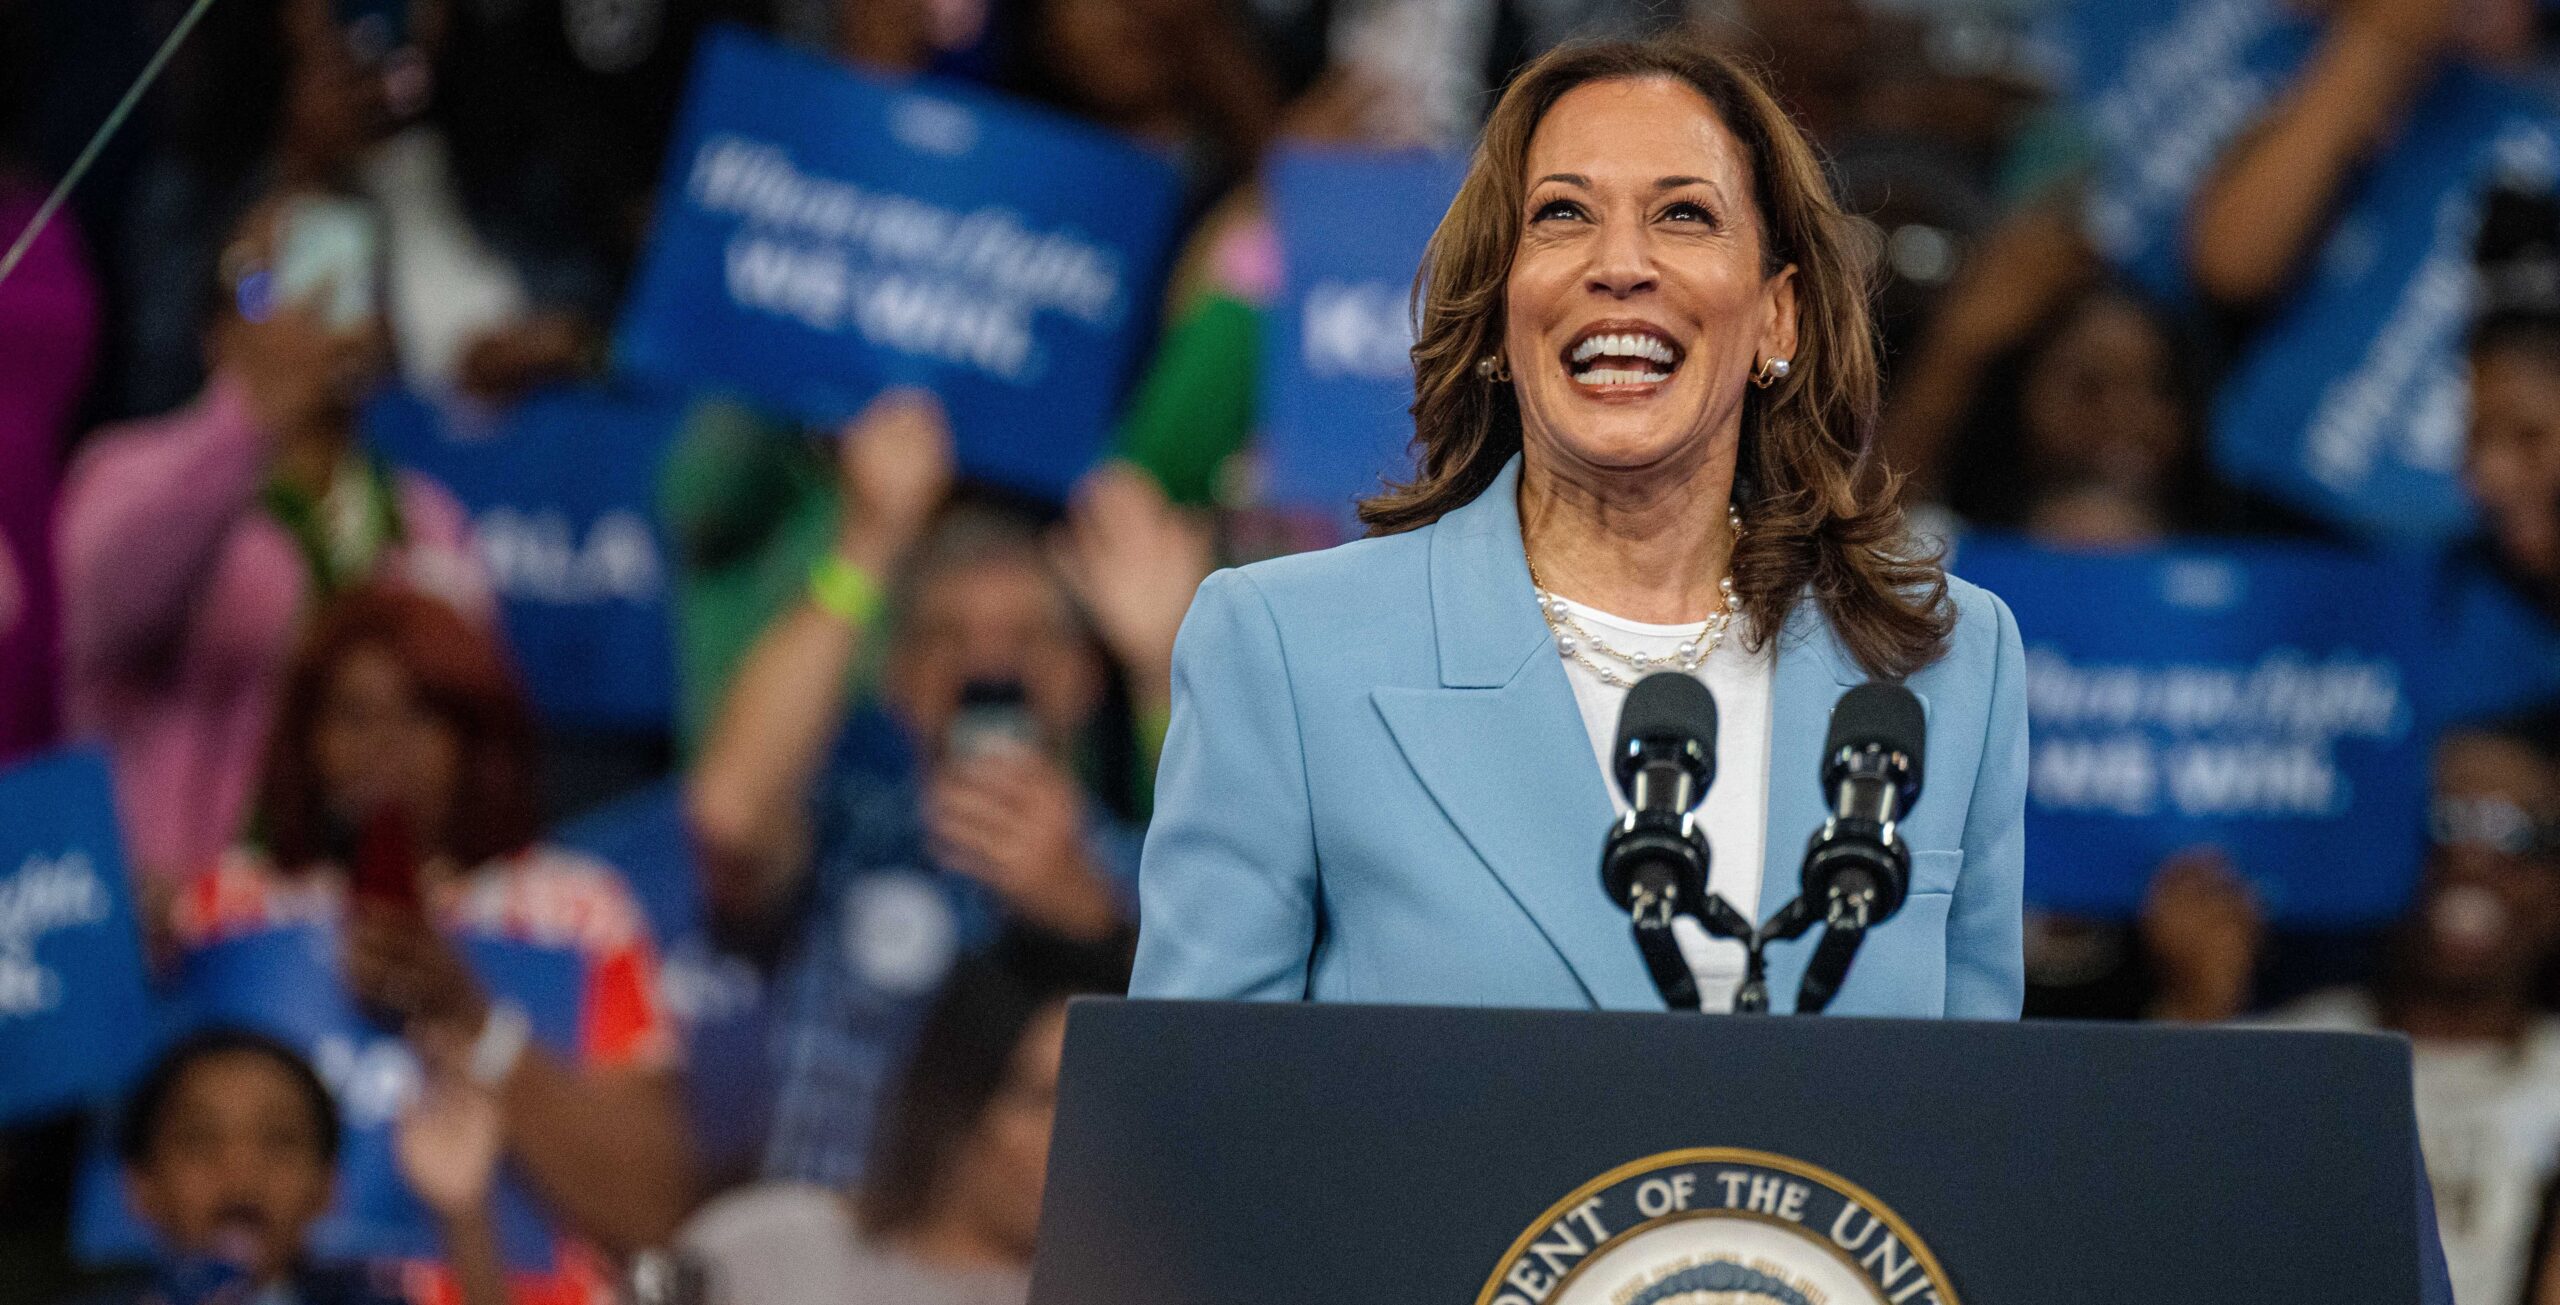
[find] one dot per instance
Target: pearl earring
(1771, 372)
(1494, 367)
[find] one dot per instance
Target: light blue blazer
(1377, 788)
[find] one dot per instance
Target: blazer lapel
(1501, 746)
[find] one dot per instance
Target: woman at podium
(1645, 385)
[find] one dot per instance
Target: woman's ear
(1778, 330)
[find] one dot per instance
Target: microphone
(1857, 869)
(1654, 863)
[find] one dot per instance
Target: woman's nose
(1622, 260)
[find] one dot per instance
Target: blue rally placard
(2162, 90)
(2352, 399)
(75, 1015)
(2255, 698)
(562, 491)
(1336, 421)
(823, 233)
(2348, 398)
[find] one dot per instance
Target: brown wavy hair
(462, 676)
(1821, 512)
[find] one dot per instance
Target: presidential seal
(1718, 1227)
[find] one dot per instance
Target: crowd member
(2462, 980)
(493, 276)
(862, 853)
(2502, 598)
(952, 1206)
(191, 547)
(401, 725)
(49, 322)
(2088, 434)
(230, 1145)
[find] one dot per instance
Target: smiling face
(238, 1166)
(2488, 911)
(1640, 298)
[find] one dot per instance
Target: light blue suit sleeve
(1986, 970)
(1227, 882)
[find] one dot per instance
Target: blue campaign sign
(284, 982)
(2351, 400)
(823, 233)
(2347, 399)
(2243, 697)
(1339, 380)
(74, 1012)
(562, 491)
(645, 836)
(2498, 653)
(2161, 89)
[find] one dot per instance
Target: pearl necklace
(1575, 642)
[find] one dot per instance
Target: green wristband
(844, 591)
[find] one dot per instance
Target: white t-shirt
(2489, 1123)
(1736, 812)
(792, 1244)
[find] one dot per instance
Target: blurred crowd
(917, 716)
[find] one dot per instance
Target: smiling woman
(1645, 384)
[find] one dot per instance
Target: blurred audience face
(999, 1169)
(2099, 401)
(379, 746)
(1607, 250)
(2488, 911)
(238, 1165)
(2512, 465)
(999, 617)
(1112, 56)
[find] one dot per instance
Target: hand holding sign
(894, 468)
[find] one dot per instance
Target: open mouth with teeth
(1622, 360)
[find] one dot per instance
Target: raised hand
(1134, 561)
(448, 1143)
(894, 467)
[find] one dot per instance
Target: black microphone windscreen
(1886, 714)
(1668, 705)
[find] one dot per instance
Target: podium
(1248, 1154)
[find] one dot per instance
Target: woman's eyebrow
(1661, 183)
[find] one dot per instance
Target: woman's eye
(1557, 208)
(1685, 211)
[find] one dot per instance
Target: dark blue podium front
(1235, 1154)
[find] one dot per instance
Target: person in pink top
(192, 548)
(49, 337)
